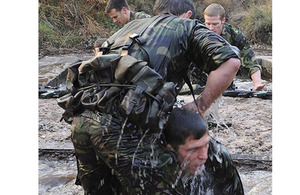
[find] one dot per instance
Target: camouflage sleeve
(248, 58)
(210, 50)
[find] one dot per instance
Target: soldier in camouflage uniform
(214, 16)
(120, 13)
(93, 175)
(206, 165)
(111, 145)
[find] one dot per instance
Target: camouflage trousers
(116, 157)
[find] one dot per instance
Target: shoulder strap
(188, 82)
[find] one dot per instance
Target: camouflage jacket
(160, 50)
(138, 15)
(220, 176)
(237, 38)
(170, 44)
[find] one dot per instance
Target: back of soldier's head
(175, 7)
(215, 10)
(116, 4)
(183, 123)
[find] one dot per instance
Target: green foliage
(51, 38)
(76, 24)
(106, 23)
(109, 25)
(71, 24)
(47, 36)
(258, 24)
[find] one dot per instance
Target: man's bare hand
(192, 106)
(258, 86)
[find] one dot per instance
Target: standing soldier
(93, 175)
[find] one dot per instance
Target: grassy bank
(74, 25)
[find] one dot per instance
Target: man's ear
(169, 147)
(124, 10)
(189, 14)
(223, 20)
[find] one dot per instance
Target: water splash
(120, 138)
(182, 168)
(213, 115)
(153, 145)
(197, 183)
(213, 111)
(137, 147)
(141, 176)
(200, 182)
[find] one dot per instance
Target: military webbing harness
(118, 84)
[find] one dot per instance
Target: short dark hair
(183, 123)
(175, 7)
(116, 4)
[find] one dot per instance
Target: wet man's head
(214, 16)
(118, 11)
(186, 134)
(182, 8)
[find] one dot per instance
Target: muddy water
(51, 66)
(57, 175)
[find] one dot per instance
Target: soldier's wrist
(200, 103)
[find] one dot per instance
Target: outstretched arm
(217, 82)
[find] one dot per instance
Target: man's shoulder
(233, 35)
(140, 15)
(217, 148)
(228, 28)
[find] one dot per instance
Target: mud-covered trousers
(116, 156)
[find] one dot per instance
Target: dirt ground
(243, 125)
(249, 122)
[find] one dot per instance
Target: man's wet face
(194, 152)
(214, 23)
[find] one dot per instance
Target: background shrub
(76, 24)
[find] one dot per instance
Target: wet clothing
(137, 156)
(93, 175)
(134, 157)
(219, 176)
